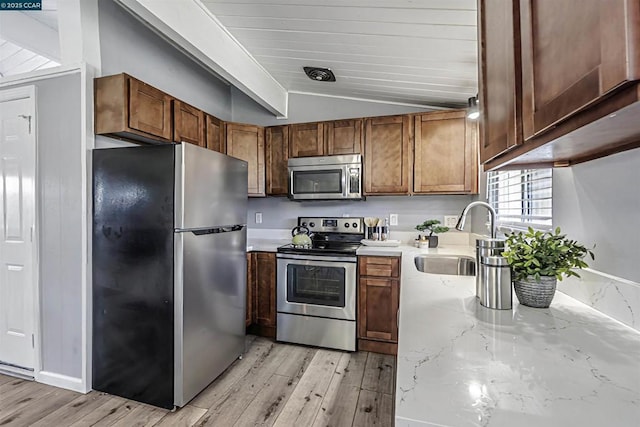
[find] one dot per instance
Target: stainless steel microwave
(326, 178)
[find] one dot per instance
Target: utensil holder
(372, 233)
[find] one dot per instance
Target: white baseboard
(62, 381)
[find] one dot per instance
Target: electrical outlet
(393, 219)
(258, 217)
(450, 221)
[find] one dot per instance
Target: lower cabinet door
(378, 309)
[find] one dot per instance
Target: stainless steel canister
(486, 247)
(495, 289)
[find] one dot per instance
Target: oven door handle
(323, 258)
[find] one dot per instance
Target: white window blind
(521, 197)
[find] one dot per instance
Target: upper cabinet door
(386, 155)
(306, 140)
(149, 110)
(215, 134)
(573, 53)
(188, 124)
(246, 142)
(343, 137)
(500, 83)
(277, 149)
(445, 153)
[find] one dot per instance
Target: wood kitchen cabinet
(215, 134)
(500, 71)
(306, 140)
(277, 155)
(261, 278)
(130, 109)
(246, 142)
(559, 81)
(445, 159)
(188, 124)
(343, 137)
(378, 303)
(573, 54)
(386, 155)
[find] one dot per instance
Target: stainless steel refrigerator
(169, 270)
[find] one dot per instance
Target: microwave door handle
(345, 182)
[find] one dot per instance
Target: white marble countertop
(460, 364)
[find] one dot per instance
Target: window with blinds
(521, 197)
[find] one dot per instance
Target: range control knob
(346, 225)
(355, 225)
(312, 224)
(304, 224)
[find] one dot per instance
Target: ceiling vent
(320, 74)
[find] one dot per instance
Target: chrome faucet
(492, 220)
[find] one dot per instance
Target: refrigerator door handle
(212, 230)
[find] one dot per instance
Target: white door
(17, 213)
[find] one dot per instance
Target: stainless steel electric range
(316, 285)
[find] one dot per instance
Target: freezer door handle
(212, 230)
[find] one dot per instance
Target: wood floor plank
(19, 394)
(296, 362)
(108, 413)
(225, 382)
(379, 373)
(320, 388)
(341, 399)
(268, 403)
(142, 416)
(229, 407)
(354, 372)
(5, 378)
(303, 405)
(39, 408)
(374, 409)
(21, 397)
(73, 411)
(184, 417)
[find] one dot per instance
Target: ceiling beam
(191, 27)
(22, 30)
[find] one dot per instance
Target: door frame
(6, 95)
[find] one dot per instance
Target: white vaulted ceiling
(420, 52)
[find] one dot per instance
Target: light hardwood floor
(274, 384)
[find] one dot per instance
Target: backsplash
(613, 296)
(280, 212)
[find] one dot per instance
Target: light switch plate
(450, 220)
(258, 217)
(393, 219)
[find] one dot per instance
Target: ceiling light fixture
(320, 74)
(473, 112)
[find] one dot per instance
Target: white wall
(598, 202)
(280, 212)
(60, 195)
(126, 45)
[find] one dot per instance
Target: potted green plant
(538, 260)
(431, 225)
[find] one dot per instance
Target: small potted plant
(538, 260)
(431, 225)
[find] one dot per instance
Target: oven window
(328, 181)
(319, 285)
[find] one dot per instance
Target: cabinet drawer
(379, 266)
